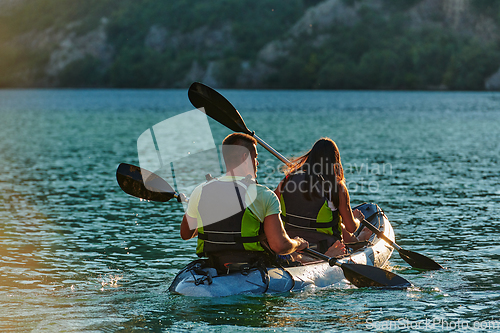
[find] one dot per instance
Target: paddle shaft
(181, 197)
(319, 255)
(415, 259)
(380, 234)
(363, 276)
(272, 150)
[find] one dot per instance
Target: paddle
(131, 180)
(219, 108)
(416, 260)
(363, 275)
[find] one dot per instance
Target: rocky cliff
(76, 54)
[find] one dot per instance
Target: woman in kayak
(315, 201)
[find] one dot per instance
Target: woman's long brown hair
(322, 160)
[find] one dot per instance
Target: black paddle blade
(363, 276)
(417, 260)
(217, 107)
(131, 180)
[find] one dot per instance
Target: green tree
(85, 72)
(137, 68)
(339, 72)
(228, 71)
(470, 66)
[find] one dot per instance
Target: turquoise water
(79, 255)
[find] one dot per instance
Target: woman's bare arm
(350, 223)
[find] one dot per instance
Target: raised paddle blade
(217, 107)
(363, 276)
(143, 184)
(418, 260)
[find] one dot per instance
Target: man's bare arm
(278, 239)
(186, 231)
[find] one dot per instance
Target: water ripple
(77, 254)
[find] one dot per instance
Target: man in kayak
(235, 219)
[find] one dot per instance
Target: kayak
(196, 279)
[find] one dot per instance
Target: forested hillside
(307, 44)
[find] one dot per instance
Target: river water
(79, 255)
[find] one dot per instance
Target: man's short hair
(231, 153)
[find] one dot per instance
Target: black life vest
(304, 206)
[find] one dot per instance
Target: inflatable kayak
(198, 280)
